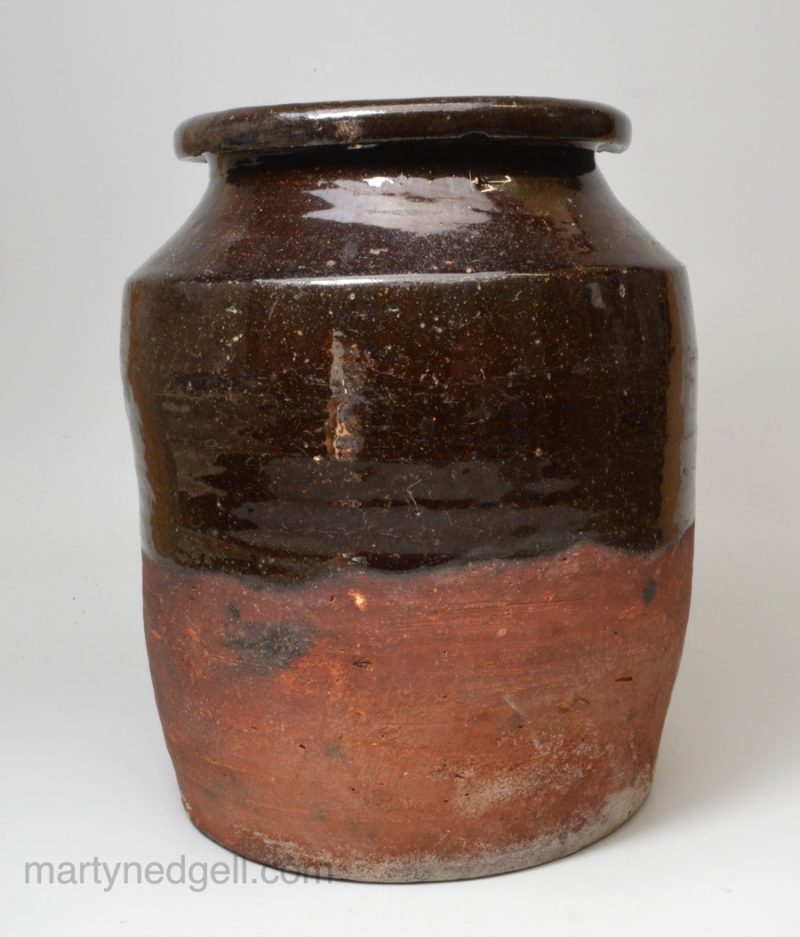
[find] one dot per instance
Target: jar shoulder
(302, 225)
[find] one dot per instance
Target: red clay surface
(441, 723)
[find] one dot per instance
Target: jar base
(258, 847)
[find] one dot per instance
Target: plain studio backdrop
(91, 93)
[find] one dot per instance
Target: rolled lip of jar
(353, 124)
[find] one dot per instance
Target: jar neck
(462, 157)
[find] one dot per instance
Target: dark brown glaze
(363, 123)
(502, 382)
(402, 349)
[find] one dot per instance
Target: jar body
(415, 429)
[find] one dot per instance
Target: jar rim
(353, 124)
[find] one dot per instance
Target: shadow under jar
(413, 404)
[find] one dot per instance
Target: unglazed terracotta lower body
(443, 723)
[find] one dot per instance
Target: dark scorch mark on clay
(265, 647)
(649, 592)
(516, 720)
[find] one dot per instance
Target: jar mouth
(354, 124)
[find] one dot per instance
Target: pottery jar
(413, 405)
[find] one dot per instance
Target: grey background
(91, 92)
